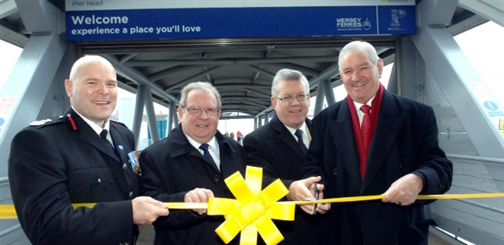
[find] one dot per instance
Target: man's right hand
(146, 210)
(302, 190)
(199, 195)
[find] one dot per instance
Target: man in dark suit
(394, 151)
(279, 147)
(56, 163)
(190, 165)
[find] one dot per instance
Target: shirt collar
(293, 130)
(93, 125)
(212, 143)
(358, 105)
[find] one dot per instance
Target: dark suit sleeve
(38, 181)
(152, 184)
(436, 170)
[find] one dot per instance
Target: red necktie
(365, 134)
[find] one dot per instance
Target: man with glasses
(280, 146)
(190, 165)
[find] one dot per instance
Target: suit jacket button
(335, 171)
(98, 181)
(125, 166)
(216, 178)
(130, 194)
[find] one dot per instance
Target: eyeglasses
(289, 98)
(196, 111)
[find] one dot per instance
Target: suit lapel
(87, 134)
(119, 142)
(286, 136)
(341, 130)
(390, 120)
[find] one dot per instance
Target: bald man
(81, 157)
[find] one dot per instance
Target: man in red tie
(374, 142)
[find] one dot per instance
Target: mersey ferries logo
(352, 24)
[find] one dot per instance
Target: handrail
(9, 230)
(476, 158)
(4, 179)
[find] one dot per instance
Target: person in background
(55, 163)
(239, 137)
(371, 143)
(280, 147)
(190, 165)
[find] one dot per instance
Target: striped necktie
(299, 134)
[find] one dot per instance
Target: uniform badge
(133, 159)
(40, 122)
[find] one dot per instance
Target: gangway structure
(428, 66)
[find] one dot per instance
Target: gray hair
(203, 86)
(288, 75)
(359, 46)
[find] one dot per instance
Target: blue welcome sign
(150, 20)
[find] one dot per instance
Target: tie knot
(103, 134)
(204, 147)
(365, 109)
(299, 133)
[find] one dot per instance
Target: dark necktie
(365, 134)
(207, 155)
(299, 134)
(103, 135)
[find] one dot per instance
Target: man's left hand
(404, 191)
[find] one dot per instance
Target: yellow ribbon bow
(252, 210)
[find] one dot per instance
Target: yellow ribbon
(253, 209)
(419, 197)
(7, 211)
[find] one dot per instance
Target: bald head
(86, 60)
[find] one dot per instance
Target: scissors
(314, 208)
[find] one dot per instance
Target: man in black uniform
(81, 157)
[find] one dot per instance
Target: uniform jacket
(275, 149)
(172, 167)
(64, 161)
(405, 141)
